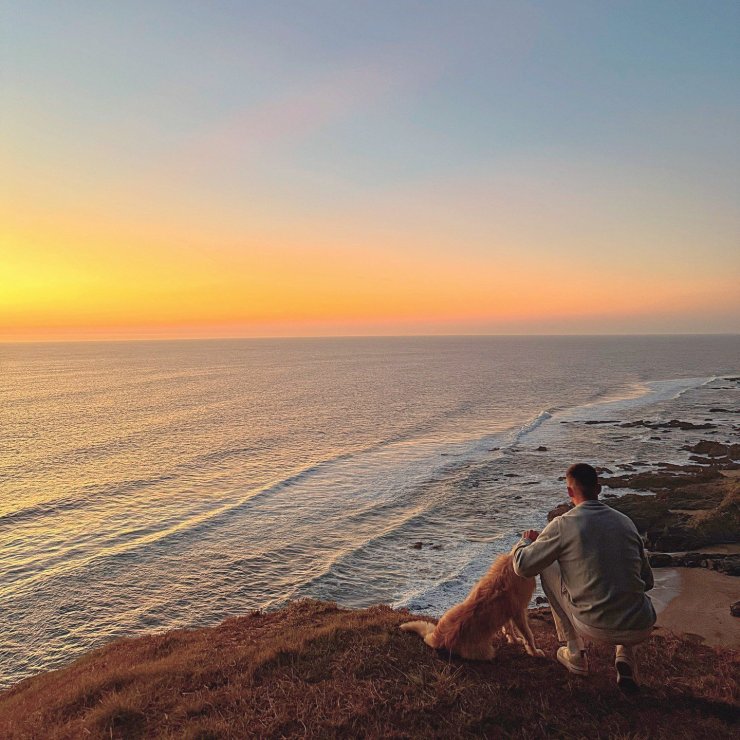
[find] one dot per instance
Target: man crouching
(594, 572)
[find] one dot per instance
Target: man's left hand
(531, 534)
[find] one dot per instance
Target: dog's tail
(421, 628)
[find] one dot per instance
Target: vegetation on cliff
(314, 669)
(687, 511)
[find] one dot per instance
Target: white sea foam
(530, 427)
(638, 396)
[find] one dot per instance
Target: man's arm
(646, 572)
(531, 558)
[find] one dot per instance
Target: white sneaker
(575, 662)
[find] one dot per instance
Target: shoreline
(666, 590)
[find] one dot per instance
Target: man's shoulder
(596, 509)
(601, 511)
(621, 517)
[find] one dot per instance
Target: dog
(497, 602)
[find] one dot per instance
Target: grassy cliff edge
(315, 669)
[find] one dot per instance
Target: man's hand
(531, 534)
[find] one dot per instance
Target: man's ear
(570, 492)
(598, 489)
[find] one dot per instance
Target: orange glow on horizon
(70, 274)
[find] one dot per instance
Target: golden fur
(497, 602)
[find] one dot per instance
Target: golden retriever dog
(497, 602)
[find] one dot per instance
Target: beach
(701, 607)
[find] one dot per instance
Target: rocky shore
(680, 507)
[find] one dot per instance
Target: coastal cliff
(313, 669)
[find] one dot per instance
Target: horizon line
(110, 340)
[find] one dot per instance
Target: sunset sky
(188, 169)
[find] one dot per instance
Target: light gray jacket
(605, 572)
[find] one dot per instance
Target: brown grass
(315, 670)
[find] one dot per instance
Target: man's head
(583, 482)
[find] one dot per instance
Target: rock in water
(559, 510)
(659, 560)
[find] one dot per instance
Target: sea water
(152, 485)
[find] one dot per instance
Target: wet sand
(696, 601)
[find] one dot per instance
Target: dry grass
(313, 669)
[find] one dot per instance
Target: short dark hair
(586, 478)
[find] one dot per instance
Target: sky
(316, 168)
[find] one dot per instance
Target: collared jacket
(605, 572)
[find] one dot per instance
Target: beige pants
(570, 629)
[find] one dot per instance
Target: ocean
(151, 485)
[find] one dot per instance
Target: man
(594, 571)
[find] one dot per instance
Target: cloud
(291, 117)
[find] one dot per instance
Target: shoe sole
(625, 678)
(573, 669)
